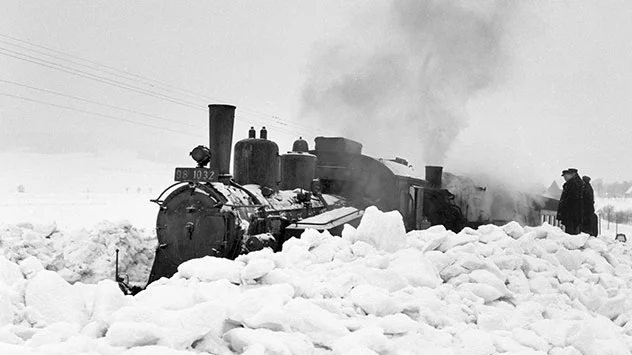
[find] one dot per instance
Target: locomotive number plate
(195, 174)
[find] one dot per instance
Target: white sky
(563, 101)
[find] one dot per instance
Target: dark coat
(570, 209)
(590, 220)
(588, 199)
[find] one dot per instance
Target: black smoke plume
(401, 77)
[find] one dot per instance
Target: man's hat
(572, 170)
(564, 172)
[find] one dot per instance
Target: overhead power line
(128, 87)
(96, 66)
(87, 75)
(98, 114)
(99, 103)
(113, 71)
(199, 127)
(93, 65)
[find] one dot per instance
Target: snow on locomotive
(270, 198)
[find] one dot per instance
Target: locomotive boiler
(270, 198)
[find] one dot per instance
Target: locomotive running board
(332, 221)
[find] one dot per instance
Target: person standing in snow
(589, 223)
(569, 210)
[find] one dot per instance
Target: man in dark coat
(589, 223)
(569, 211)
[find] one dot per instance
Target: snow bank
(82, 255)
(494, 290)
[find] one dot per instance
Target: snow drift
(494, 290)
(85, 255)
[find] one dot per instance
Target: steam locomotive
(270, 198)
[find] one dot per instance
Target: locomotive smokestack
(433, 176)
(221, 121)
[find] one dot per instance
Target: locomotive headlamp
(201, 155)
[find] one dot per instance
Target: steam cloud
(402, 79)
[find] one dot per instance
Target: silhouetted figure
(589, 220)
(569, 211)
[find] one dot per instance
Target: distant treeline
(610, 189)
(609, 213)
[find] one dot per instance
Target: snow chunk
(531, 339)
(216, 290)
(268, 342)
(108, 298)
(156, 349)
(362, 249)
(453, 240)
(613, 307)
(508, 262)
(486, 277)
(8, 337)
(417, 269)
(596, 245)
(384, 230)
(211, 268)
(371, 337)
(476, 342)
(30, 267)
(486, 292)
(253, 300)
(349, 233)
(582, 338)
(592, 296)
(374, 300)
(9, 305)
(425, 240)
(273, 318)
(570, 259)
(55, 333)
(321, 326)
(397, 324)
(10, 273)
(167, 296)
(257, 268)
(513, 229)
(55, 299)
(128, 334)
(387, 279)
(490, 233)
(573, 242)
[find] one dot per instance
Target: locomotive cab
(387, 184)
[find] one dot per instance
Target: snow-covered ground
(610, 230)
(77, 235)
(84, 255)
(619, 204)
(79, 210)
(376, 290)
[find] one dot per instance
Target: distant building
(549, 202)
(553, 191)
